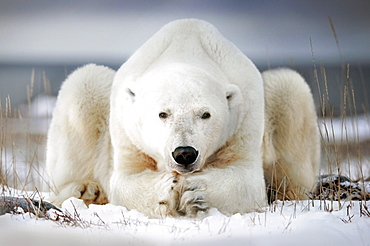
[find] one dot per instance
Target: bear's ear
(130, 94)
(233, 96)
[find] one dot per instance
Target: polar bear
(187, 123)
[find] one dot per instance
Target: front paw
(193, 201)
(89, 191)
(168, 197)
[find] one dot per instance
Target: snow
(43, 106)
(283, 223)
(349, 129)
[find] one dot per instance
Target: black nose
(185, 155)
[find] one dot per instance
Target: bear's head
(180, 115)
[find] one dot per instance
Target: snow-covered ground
(288, 223)
(349, 129)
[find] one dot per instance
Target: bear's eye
(206, 115)
(163, 115)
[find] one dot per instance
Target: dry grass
(23, 144)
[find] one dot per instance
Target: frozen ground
(289, 223)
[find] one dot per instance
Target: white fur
(291, 140)
(107, 138)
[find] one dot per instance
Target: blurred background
(43, 41)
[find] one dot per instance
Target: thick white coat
(107, 140)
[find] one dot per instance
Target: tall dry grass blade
(336, 41)
(8, 107)
(316, 77)
(2, 147)
(46, 83)
(30, 88)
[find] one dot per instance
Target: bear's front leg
(153, 193)
(231, 190)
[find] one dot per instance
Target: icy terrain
(288, 223)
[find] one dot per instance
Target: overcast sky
(70, 31)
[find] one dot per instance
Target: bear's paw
(168, 198)
(193, 202)
(91, 193)
(88, 191)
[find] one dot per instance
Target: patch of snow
(42, 106)
(349, 129)
(367, 187)
(288, 223)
